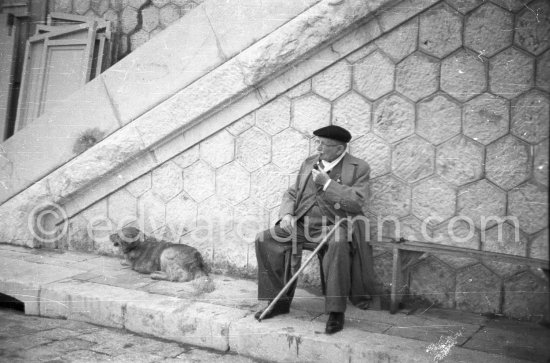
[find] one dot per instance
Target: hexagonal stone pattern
(167, 181)
(150, 16)
(413, 159)
(128, 19)
(438, 119)
(215, 217)
(507, 162)
(250, 219)
(274, 116)
(187, 157)
(81, 6)
(486, 118)
(268, 185)
(400, 42)
(510, 5)
(465, 6)
(168, 15)
(300, 89)
(543, 76)
(140, 185)
(310, 113)
(440, 31)
(333, 81)
(373, 76)
(253, 149)
(533, 26)
(393, 118)
(139, 38)
(100, 6)
(64, 6)
(463, 75)
(540, 169)
(478, 290)
(389, 197)
(218, 149)
(459, 160)
(417, 76)
(530, 116)
(488, 30)
(433, 279)
(504, 238)
(151, 212)
(233, 182)
(539, 246)
(122, 208)
(290, 148)
(181, 216)
(242, 124)
(528, 203)
(199, 181)
(460, 231)
(511, 72)
(481, 201)
(525, 296)
(433, 201)
(374, 151)
(353, 113)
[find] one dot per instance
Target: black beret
(333, 132)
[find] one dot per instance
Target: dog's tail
(203, 266)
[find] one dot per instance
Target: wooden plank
(62, 31)
(396, 280)
(7, 65)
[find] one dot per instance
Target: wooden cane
(295, 276)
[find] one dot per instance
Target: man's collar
(328, 166)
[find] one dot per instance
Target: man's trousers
(276, 264)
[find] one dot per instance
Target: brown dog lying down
(163, 260)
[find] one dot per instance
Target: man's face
(329, 150)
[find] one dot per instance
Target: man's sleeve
(350, 198)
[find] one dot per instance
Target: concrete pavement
(98, 290)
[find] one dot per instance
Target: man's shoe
(279, 309)
(335, 323)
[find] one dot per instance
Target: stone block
(26, 293)
(504, 238)
(63, 6)
(310, 113)
(81, 6)
(353, 113)
(168, 14)
(136, 4)
(181, 216)
(525, 296)
(188, 157)
(463, 75)
(199, 181)
(140, 185)
(434, 281)
(460, 232)
(233, 182)
(511, 64)
(218, 149)
(215, 216)
(417, 76)
(374, 151)
(487, 30)
(539, 246)
(440, 30)
(160, 3)
(299, 90)
(540, 168)
(530, 116)
(526, 203)
(373, 76)
(268, 185)
(274, 116)
(150, 18)
(504, 269)
(507, 162)
(486, 118)
(402, 12)
(151, 212)
(242, 124)
(465, 6)
(482, 202)
(393, 118)
(438, 119)
(413, 159)
(128, 19)
(290, 148)
(543, 76)
(78, 238)
(100, 6)
(389, 197)
(459, 160)
(478, 290)
(510, 5)
(532, 27)
(167, 181)
(400, 42)
(433, 201)
(333, 81)
(251, 217)
(253, 149)
(199, 324)
(122, 208)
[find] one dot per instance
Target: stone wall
(451, 110)
(134, 21)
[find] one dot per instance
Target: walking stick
(295, 276)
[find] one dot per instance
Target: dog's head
(127, 238)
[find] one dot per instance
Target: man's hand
(288, 223)
(320, 177)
